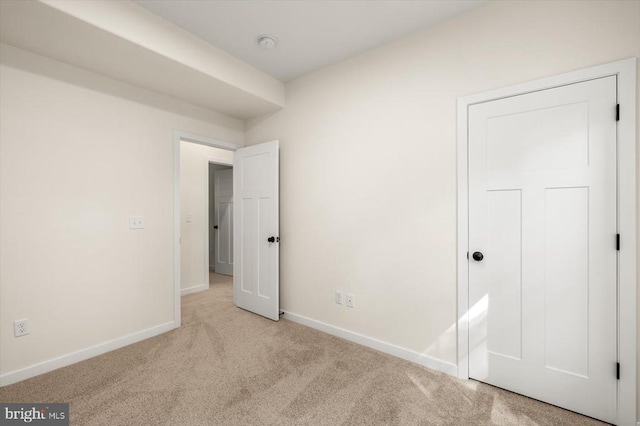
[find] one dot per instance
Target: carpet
(226, 366)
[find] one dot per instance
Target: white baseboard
(193, 289)
(379, 345)
(83, 354)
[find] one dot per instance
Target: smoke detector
(267, 42)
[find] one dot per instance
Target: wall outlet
(350, 302)
(136, 222)
(21, 327)
(189, 218)
(339, 297)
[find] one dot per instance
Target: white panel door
(542, 212)
(223, 212)
(256, 255)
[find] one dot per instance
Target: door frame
(179, 136)
(625, 70)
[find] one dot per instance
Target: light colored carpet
(225, 366)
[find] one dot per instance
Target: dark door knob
(215, 227)
(271, 239)
(478, 256)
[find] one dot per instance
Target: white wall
(368, 160)
(194, 199)
(79, 154)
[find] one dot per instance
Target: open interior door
(223, 212)
(256, 226)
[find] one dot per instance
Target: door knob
(273, 239)
(478, 256)
(215, 227)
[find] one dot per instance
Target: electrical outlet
(21, 327)
(136, 222)
(189, 218)
(350, 302)
(339, 297)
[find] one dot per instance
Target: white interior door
(542, 211)
(256, 223)
(223, 181)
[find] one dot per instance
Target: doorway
(196, 224)
(254, 230)
(546, 196)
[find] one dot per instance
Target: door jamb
(179, 136)
(625, 70)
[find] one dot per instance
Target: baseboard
(83, 354)
(193, 289)
(379, 345)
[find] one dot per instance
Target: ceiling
(310, 34)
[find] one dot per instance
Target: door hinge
(617, 112)
(618, 242)
(618, 371)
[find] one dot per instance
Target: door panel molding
(625, 70)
